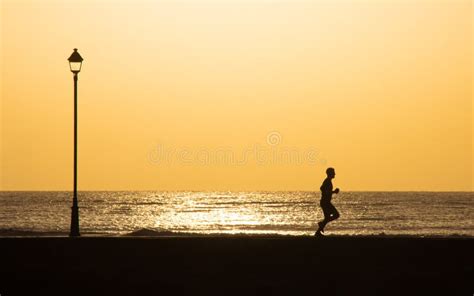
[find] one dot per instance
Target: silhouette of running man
(329, 210)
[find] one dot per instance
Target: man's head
(331, 173)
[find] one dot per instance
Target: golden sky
(238, 95)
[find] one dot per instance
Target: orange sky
(381, 90)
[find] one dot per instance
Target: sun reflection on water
(293, 213)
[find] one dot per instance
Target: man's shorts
(328, 208)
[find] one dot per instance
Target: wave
(150, 232)
(145, 232)
(23, 232)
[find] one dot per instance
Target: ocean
(284, 213)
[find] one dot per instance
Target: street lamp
(75, 64)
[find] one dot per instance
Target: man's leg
(330, 214)
(327, 216)
(334, 213)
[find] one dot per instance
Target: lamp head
(75, 62)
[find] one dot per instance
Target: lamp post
(75, 64)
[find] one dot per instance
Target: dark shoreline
(144, 232)
(238, 265)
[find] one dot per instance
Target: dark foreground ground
(236, 266)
